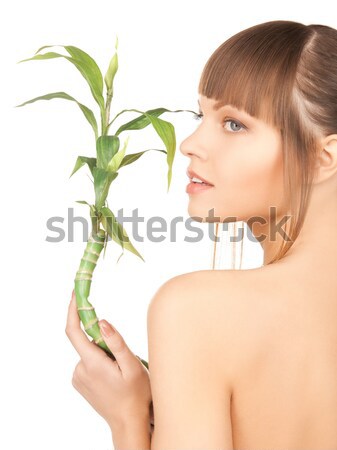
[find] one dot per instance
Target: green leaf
(165, 131)
(112, 226)
(82, 201)
(84, 63)
(139, 122)
(111, 72)
(89, 115)
(81, 160)
(48, 55)
(90, 71)
(130, 247)
(102, 181)
(128, 159)
(115, 162)
(142, 121)
(117, 232)
(106, 148)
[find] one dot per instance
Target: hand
(118, 390)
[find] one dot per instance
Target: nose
(192, 146)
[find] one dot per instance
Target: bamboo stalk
(82, 281)
(83, 284)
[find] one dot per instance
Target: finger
(124, 356)
(76, 335)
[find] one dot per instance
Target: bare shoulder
(222, 309)
(210, 288)
(204, 329)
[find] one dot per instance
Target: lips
(190, 173)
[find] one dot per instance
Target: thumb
(114, 340)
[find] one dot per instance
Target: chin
(203, 213)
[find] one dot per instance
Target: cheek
(251, 180)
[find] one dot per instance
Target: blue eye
(233, 129)
(237, 124)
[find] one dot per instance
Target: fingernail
(106, 328)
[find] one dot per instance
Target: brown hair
(284, 73)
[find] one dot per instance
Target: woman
(244, 359)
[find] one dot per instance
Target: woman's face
(241, 156)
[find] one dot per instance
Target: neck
(316, 242)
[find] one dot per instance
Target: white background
(163, 47)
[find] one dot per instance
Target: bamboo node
(91, 252)
(89, 260)
(100, 339)
(91, 239)
(91, 323)
(85, 308)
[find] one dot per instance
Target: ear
(326, 163)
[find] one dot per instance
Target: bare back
(285, 358)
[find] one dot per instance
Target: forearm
(132, 435)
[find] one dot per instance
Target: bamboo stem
(82, 281)
(82, 288)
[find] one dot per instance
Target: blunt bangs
(252, 72)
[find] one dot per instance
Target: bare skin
(285, 330)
